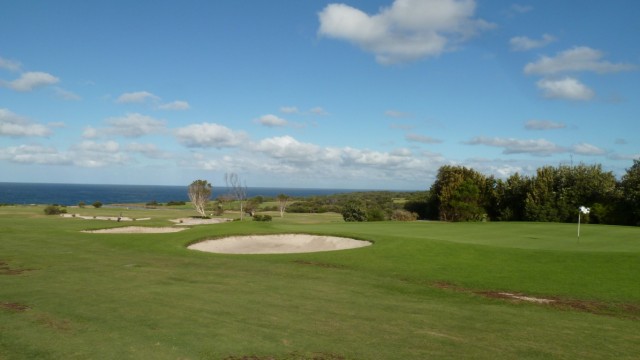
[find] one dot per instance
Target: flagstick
(578, 228)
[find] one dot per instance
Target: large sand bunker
(277, 244)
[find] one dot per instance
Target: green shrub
(97, 204)
(403, 215)
(353, 212)
(54, 210)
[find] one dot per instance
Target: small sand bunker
(197, 221)
(277, 244)
(136, 230)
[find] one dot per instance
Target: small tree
(97, 204)
(238, 190)
(282, 203)
(199, 194)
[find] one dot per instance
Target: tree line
(553, 194)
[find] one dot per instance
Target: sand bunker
(136, 230)
(277, 244)
(197, 221)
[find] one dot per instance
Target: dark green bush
(54, 210)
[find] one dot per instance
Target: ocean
(72, 194)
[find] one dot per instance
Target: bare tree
(282, 203)
(199, 194)
(238, 190)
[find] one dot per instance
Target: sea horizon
(21, 193)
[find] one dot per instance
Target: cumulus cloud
(34, 154)
(10, 65)
(271, 121)
(210, 135)
(543, 125)
(523, 43)
(577, 59)
(175, 105)
(29, 81)
(94, 154)
(406, 31)
(288, 149)
(136, 97)
(538, 147)
(567, 88)
(14, 125)
(422, 139)
(587, 149)
(134, 125)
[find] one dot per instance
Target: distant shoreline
(72, 194)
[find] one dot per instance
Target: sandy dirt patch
(136, 230)
(196, 221)
(277, 244)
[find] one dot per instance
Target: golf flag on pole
(583, 210)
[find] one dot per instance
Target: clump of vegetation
(97, 204)
(353, 212)
(552, 194)
(259, 217)
(176, 203)
(403, 215)
(54, 210)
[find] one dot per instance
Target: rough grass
(423, 290)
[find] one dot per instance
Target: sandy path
(277, 244)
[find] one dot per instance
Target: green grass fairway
(424, 290)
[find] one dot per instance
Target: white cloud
(210, 135)
(587, 149)
(134, 125)
(577, 59)
(93, 154)
(66, 95)
(90, 133)
(523, 43)
(34, 154)
(538, 147)
(543, 125)
(567, 88)
(271, 120)
(289, 109)
(288, 149)
(175, 105)
(407, 30)
(136, 97)
(422, 139)
(18, 126)
(29, 81)
(10, 65)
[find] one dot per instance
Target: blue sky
(354, 94)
